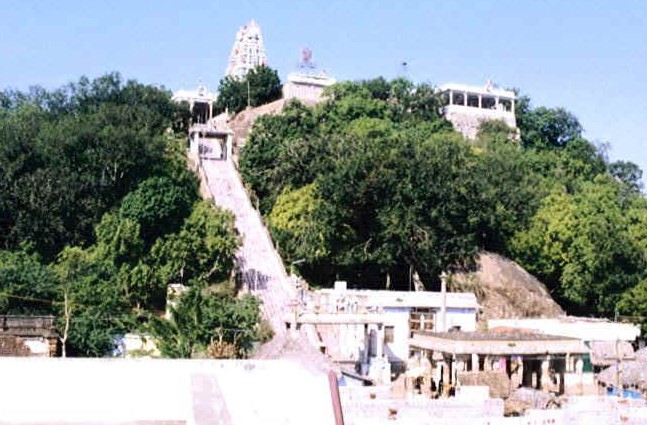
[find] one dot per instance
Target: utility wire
(106, 318)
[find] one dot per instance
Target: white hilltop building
(307, 84)
(200, 102)
(307, 87)
(466, 107)
(248, 50)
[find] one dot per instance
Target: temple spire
(248, 50)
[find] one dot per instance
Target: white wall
(464, 318)
(398, 317)
(573, 327)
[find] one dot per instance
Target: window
(389, 332)
(489, 102)
(421, 319)
(473, 100)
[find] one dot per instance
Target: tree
(294, 226)
(507, 191)
(261, 85)
(201, 318)
(232, 94)
(118, 240)
(428, 220)
(289, 138)
(494, 131)
(545, 127)
(159, 205)
(202, 250)
(68, 156)
(627, 172)
(119, 244)
(264, 85)
(580, 246)
(94, 310)
(27, 286)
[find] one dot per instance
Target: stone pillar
(579, 370)
(380, 341)
(526, 373)
(451, 97)
(545, 376)
(210, 110)
(475, 362)
(496, 103)
(442, 323)
(464, 98)
(480, 101)
(508, 366)
(456, 366)
(446, 375)
(438, 371)
(512, 106)
(230, 146)
(367, 343)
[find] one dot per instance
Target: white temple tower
(248, 51)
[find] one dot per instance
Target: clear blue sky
(589, 56)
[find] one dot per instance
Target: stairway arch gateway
(209, 142)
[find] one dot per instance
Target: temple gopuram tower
(248, 51)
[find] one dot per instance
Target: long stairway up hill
(260, 266)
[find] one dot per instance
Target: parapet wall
(467, 120)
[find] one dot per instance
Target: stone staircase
(260, 267)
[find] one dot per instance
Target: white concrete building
(200, 102)
(368, 326)
(248, 50)
(584, 328)
(466, 107)
(306, 86)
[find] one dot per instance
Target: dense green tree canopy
(581, 246)
(627, 172)
(158, 205)
(261, 85)
(380, 180)
(26, 285)
(546, 127)
(99, 213)
(202, 318)
(69, 155)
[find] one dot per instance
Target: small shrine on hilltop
(307, 84)
(200, 103)
(466, 107)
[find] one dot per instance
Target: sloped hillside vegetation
(373, 186)
(98, 214)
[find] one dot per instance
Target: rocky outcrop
(505, 290)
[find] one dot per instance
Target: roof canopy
(200, 95)
(421, 299)
(495, 343)
(487, 90)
